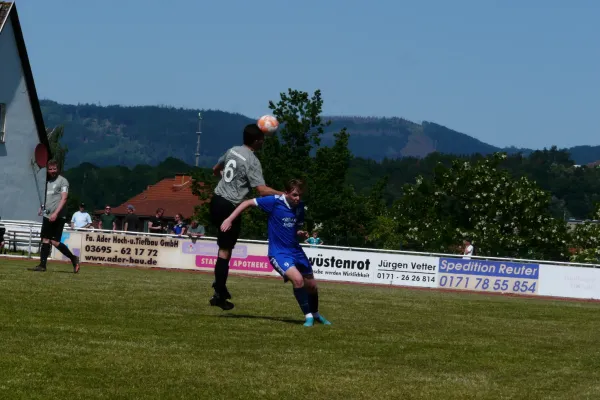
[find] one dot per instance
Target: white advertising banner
(405, 270)
(162, 252)
(339, 265)
(371, 267)
(250, 258)
(573, 282)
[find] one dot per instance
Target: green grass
(117, 333)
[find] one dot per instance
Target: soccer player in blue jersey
(286, 218)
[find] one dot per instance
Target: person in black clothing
(2, 232)
(156, 224)
(131, 220)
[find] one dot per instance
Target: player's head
(315, 234)
(52, 168)
(253, 137)
(294, 189)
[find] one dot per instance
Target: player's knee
(296, 279)
(225, 253)
(310, 286)
(298, 283)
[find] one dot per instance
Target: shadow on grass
(51, 271)
(278, 319)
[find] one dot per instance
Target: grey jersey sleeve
(222, 158)
(64, 185)
(255, 174)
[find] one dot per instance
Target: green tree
(203, 186)
(296, 152)
(58, 149)
(503, 216)
(585, 240)
(287, 154)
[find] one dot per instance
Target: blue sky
(523, 73)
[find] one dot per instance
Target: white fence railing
(25, 236)
(21, 236)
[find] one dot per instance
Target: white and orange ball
(268, 124)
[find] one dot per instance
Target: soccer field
(110, 333)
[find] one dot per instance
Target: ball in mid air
(268, 124)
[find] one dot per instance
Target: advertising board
(488, 276)
(340, 265)
(567, 281)
(372, 267)
(251, 258)
(162, 252)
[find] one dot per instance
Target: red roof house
(174, 195)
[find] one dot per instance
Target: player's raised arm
(257, 181)
(219, 165)
(226, 225)
(264, 190)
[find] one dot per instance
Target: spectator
(315, 240)
(467, 249)
(132, 222)
(96, 224)
(81, 219)
(155, 224)
(108, 220)
(180, 225)
(195, 231)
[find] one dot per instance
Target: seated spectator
(180, 225)
(195, 231)
(132, 222)
(81, 219)
(315, 240)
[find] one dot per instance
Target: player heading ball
(240, 170)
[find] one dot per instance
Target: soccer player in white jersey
(286, 219)
(240, 171)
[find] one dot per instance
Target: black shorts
(53, 230)
(220, 210)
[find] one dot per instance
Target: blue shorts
(281, 262)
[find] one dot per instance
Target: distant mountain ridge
(132, 135)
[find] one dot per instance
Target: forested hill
(128, 136)
(575, 191)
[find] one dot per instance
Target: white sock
(307, 316)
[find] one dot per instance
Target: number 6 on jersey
(229, 170)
